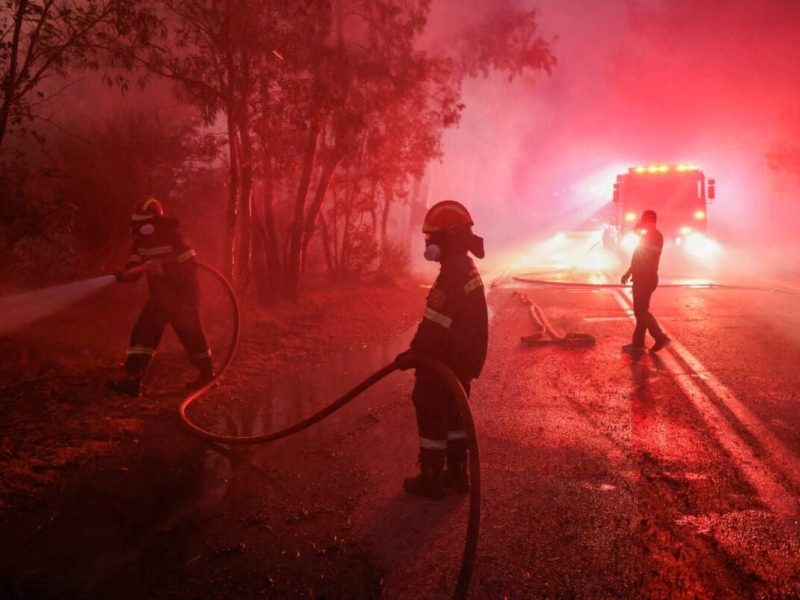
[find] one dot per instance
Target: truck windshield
(676, 197)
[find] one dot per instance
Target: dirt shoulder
(109, 497)
(57, 415)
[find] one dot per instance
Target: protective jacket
(177, 259)
(454, 328)
(644, 264)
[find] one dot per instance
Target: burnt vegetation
(294, 135)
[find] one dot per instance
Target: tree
(42, 41)
(357, 62)
(313, 91)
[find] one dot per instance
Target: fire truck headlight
(700, 215)
(701, 246)
(630, 240)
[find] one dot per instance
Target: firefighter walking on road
(159, 250)
(454, 330)
(644, 271)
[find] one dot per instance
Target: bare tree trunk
(348, 211)
(260, 266)
(246, 168)
(233, 201)
(319, 197)
(326, 247)
(271, 242)
(336, 254)
(245, 253)
(388, 198)
(415, 207)
(296, 236)
(373, 210)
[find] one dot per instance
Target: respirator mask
(465, 241)
(143, 229)
(433, 250)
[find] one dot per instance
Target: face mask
(147, 229)
(433, 252)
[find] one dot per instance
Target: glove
(624, 279)
(124, 277)
(406, 359)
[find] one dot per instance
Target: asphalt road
(670, 476)
(674, 475)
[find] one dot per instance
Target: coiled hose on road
(446, 374)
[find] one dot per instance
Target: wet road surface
(676, 475)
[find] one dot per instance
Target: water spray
(21, 309)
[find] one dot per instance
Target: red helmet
(445, 216)
(145, 210)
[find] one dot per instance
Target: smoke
(709, 82)
(21, 309)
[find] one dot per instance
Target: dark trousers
(645, 321)
(184, 316)
(439, 420)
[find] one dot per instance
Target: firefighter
(159, 250)
(644, 271)
(454, 330)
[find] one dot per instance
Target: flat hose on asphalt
(708, 286)
(446, 374)
(546, 334)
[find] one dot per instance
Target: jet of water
(21, 309)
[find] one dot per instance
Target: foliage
(71, 213)
(508, 42)
(328, 111)
(42, 41)
(785, 159)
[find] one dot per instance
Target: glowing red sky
(711, 81)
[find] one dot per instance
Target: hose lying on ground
(446, 374)
(546, 335)
(699, 286)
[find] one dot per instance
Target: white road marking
(760, 476)
(602, 319)
(779, 454)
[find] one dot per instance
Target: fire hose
(699, 286)
(444, 372)
(546, 335)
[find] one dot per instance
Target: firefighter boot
(660, 344)
(455, 476)
(205, 374)
(429, 481)
(130, 385)
(633, 349)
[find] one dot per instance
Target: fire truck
(679, 194)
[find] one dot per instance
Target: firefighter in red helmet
(160, 252)
(454, 330)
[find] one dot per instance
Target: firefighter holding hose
(454, 330)
(160, 252)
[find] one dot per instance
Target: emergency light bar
(663, 168)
